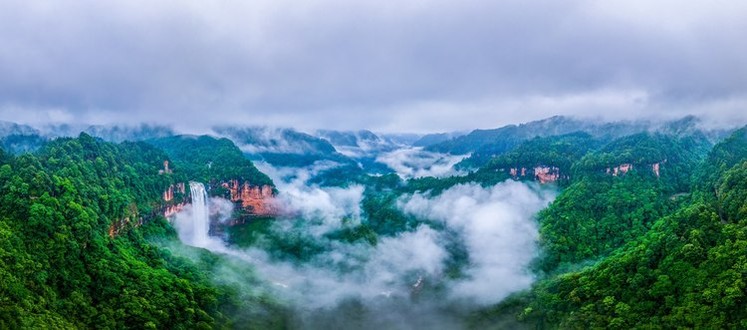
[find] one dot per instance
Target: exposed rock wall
(168, 194)
(171, 210)
(627, 167)
(116, 227)
(543, 174)
(620, 169)
(546, 174)
(257, 200)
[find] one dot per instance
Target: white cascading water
(193, 225)
(200, 224)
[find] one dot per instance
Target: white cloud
(494, 224)
(415, 163)
(499, 231)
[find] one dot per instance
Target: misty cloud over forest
(494, 225)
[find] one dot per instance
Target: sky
(389, 66)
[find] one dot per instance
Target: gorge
(185, 223)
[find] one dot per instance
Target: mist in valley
(470, 248)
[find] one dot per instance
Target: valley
(587, 224)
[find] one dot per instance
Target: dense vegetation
(486, 144)
(208, 159)
(660, 245)
(282, 147)
(600, 211)
(61, 269)
(662, 260)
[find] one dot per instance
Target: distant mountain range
(289, 147)
(486, 144)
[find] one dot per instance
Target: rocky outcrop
(173, 201)
(127, 221)
(546, 174)
(257, 200)
(168, 194)
(627, 167)
(543, 174)
(656, 167)
(620, 169)
(116, 227)
(171, 210)
(166, 169)
(515, 172)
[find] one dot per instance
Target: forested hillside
(61, 269)
(208, 159)
(664, 252)
(647, 230)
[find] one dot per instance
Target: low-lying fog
(404, 281)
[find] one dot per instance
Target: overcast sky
(401, 65)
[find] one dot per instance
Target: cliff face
(171, 210)
(256, 200)
(620, 169)
(171, 207)
(132, 219)
(168, 194)
(546, 174)
(543, 174)
(656, 167)
(168, 208)
(626, 167)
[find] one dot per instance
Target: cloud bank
(415, 162)
(498, 230)
(404, 66)
(402, 280)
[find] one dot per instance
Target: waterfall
(200, 222)
(193, 224)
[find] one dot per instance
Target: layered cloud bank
(415, 162)
(404, 66)
(406, 279)
(498, 229)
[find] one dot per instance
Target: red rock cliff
(543, 174)
(258, 200)
(546, 174)
(626, 167)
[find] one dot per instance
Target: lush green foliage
(724, 156)
(635, 250)
(686, 270)
(208, 159)
(486, 144)
(593, 217)
(61, 269)
(558, 151)
(600, 212)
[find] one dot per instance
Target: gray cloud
(413, 65)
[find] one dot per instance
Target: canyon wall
(256, 200)
(627, 167)
(543, 174)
